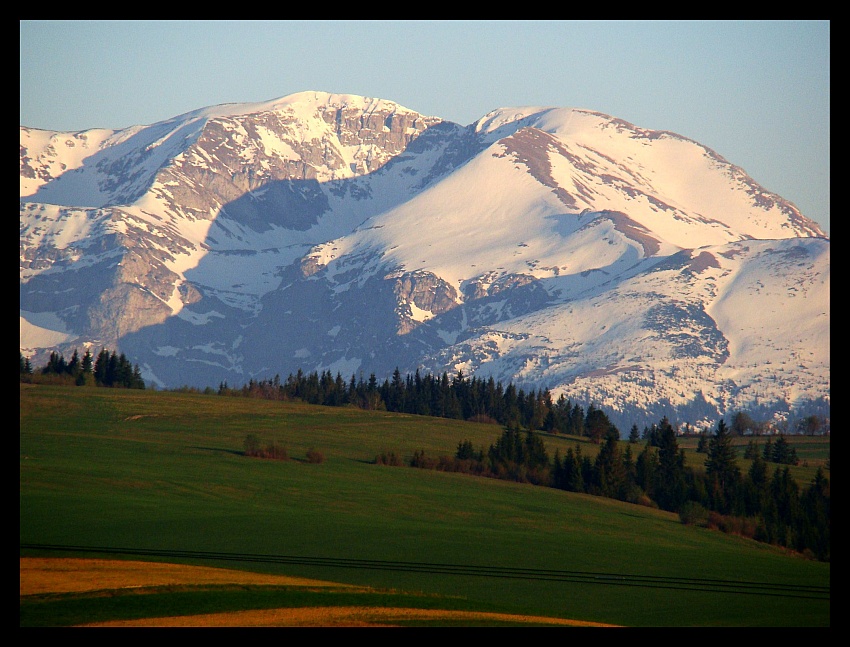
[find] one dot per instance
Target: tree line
(458, 397)
(768, 508)
(464, 398)
(107, 369)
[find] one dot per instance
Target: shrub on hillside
(315, 456)
(693, 514)
(388, 458)
(420, 460)
(254, 448)
(276, 452)
(742, 526)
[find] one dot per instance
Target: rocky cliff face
(420, 296)
(261, 171)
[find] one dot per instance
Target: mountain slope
(556, 248)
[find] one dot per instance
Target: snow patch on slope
(42, 330)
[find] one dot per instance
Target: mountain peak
(556, 248)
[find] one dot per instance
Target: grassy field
(161, 477)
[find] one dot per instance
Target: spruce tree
(721, 470)
(87, 362)
(572, 480)
(767, 452)
(610, 470)
(815, 517)
(756, 486)
(670, 483)
(74, 364)
(646, 467)
(752, 450)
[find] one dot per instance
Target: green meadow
(141, 474)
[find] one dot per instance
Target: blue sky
(756, 92)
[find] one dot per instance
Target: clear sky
(756, 92)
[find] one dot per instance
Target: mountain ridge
(351, 234)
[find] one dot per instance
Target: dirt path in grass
(59, 575)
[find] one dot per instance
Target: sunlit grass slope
(163, 474)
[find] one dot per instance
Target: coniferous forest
(107, 369)
(764, 503)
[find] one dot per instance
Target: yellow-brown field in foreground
(71, 575)
(337, 617)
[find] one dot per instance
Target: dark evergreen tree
(541, 403)
(631, 472)
(422, 395)
(511, 407)
(756, 487)
(373, 396)
(136, 381)
(814, 534)
(74, 364)
(549, 412)
(702, 443)
(721, 470)
(123, 375)
(670, 482)
(576, 421)
(752, 450)
(653, 435)
(465, 450)
(646, 468)
(792, 457)
(570, 477)
(596, 424)
(561, 414)
(56, 365)
(111, 369)
(88, 363)
(767, 452)
(610, 472)
(587, 472)
(535, 454)
(783, 453)
(557, 471)
(100, 366)
(782, 511)
(394, 397)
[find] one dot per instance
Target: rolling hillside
(164, 474)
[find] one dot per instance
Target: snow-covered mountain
(549, 247)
